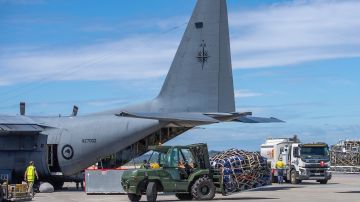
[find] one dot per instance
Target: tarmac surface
(340, 188)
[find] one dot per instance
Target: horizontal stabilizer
(252, 119)
(173, 117)
(14, 128)
(228, 116)
(18, 124)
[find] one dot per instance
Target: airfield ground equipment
(188, 172)
(345, 156)
(303, 161)
(13, 192)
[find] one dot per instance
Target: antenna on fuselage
(22, 108)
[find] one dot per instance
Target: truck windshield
(314, 152)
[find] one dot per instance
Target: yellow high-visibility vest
(280, 165)
(155, 166)
(30, 173)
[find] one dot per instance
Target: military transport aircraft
(198, 90)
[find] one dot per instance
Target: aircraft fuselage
(78, 142)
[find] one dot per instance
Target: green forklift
(183, 170)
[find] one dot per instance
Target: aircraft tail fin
(200, 78)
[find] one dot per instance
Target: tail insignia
(203, 54)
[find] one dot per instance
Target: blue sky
(295, 60)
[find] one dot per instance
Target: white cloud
(126, 59)
(246, 93)
(294, 33)
(279, 35)
(4, 82)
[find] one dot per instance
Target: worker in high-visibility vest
(29, 177)
(280, 166)
(145, 165)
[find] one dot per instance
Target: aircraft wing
(173, 117)
(252, 119)
(201, 118)
(18, 124)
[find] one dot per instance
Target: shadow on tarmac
(317, 184)
(232, 199)
(69, 189)
(279, 188)
(348, 192)
(243, 198)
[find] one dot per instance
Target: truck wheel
(151, 192)
(134, 197)
(323, 181)
(293, 178)
(203, 189)
(183, 197)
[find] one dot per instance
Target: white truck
(303, 161)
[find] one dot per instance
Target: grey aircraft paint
(198, 90)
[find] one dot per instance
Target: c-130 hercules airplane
(198, 90)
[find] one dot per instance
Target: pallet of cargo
(13, 192)
(241, 170)
(345, 156)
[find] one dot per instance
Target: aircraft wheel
(151, 192)
(184, 197)
(134, 197)
(203, 189)
(293, 178)
(58, 185)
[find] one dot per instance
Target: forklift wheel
(134, 197)
(183, 197)
(151, 192)
(203, 189)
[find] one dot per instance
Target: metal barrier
(103, 181)
(346, 169)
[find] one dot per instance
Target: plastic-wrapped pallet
(242, 170)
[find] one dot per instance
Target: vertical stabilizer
(200, 78)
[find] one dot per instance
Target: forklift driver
(182, 170)
(185, 169)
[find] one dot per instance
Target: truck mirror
(296, 152)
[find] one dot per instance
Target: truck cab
(309, 162)
(303, 161)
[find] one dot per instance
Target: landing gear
(58, 185)
(203, 189)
